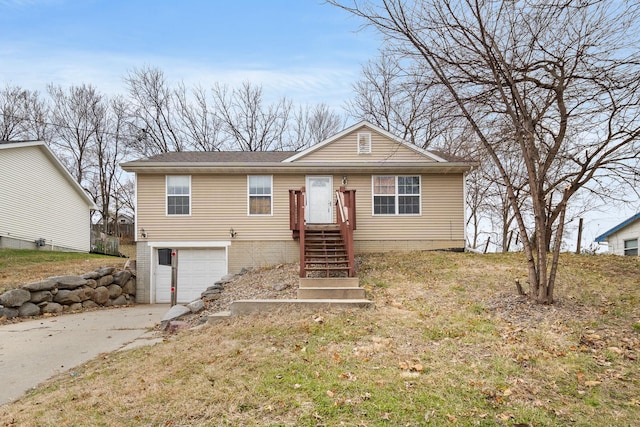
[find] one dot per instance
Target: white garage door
(197, 270)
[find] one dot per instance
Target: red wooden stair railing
(326, 250)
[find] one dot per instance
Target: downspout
(464, 206)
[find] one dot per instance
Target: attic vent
(364, 143)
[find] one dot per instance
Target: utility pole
(579, 237)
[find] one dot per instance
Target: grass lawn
(448, 343)
(19, 266)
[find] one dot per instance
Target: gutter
(295, 168)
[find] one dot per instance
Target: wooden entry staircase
(325, 252)
(327, 262)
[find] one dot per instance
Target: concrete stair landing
(255, 306)
(313, 293)
(343, 288)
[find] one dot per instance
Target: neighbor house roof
(603, 237)
(6, 145)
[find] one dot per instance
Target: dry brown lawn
(448, 343)
(20, 267)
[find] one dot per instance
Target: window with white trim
(631, 247)
(260, 189)
(364, 143)
(178, 194)
(396, 195)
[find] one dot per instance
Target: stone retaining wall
(103, 287)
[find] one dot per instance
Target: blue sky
(303, 49)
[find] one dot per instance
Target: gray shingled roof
(221, 157)
(18, 141)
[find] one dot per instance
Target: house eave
(297, 168)
(605, 236)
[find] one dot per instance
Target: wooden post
(579, 237)
(174, 277)
(486, 247)
(301, 227)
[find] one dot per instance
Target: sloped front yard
(448, 343)
(18, 267)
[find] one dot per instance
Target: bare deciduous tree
(152, 113)
(22, 114)
(313, 124)
(75, 116)
(248, 123)
(107, 153)
(399, 100)
(561, 75)
(198, 122)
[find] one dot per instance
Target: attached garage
(198, 268)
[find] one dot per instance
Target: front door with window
(319, 201)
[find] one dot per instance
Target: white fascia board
(188, 244)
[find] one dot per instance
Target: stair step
(329, 282)
(325, 261)
(331, 293)
(322, 227)
(331, 255)
(327, 269)
(323, 243)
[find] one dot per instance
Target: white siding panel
(37, 201)
(616, 240)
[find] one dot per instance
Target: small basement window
(631, 247)
(164, 256)
(364, 143)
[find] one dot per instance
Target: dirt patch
(277, 282)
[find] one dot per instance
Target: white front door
(319, 201)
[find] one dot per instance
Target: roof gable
(40, 145)
(623, 224)
(394, 147)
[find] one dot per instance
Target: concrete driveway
(34, 350)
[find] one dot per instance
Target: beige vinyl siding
(219, 203)
(38, 202)
(383, 149)
(442, 210)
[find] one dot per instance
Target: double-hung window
(396, 195)
(631, 247)
(260, 194)
(178, 194)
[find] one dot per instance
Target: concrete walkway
(34, 350)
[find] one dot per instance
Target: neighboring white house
(41, 205)
(623, 238)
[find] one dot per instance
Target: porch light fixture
(344, 180)
(143, 233)
(232, 233)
